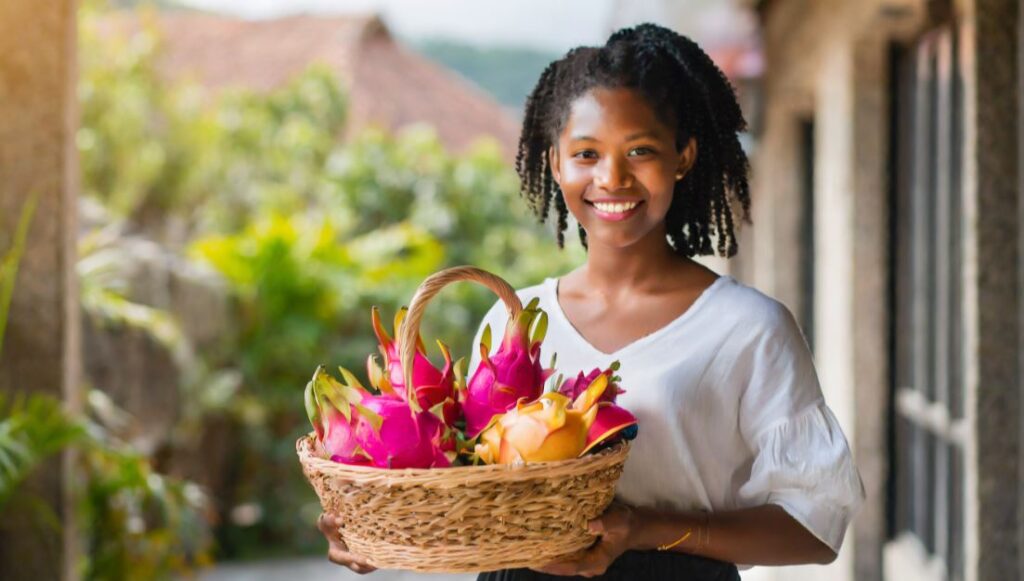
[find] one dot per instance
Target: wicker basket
(464, 518)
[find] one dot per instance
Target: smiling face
(617, 166)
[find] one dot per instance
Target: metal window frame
(930, 433)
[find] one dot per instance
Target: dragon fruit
(513, 373)
(329, 405)
(573, 387)
(355, 426)
(394, 436)
(432, 386)
(553, 427)
(611, 419)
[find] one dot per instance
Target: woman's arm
(762, 535)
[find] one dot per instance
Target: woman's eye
(585, 154)
(642, 150)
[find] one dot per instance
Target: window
(807, 273)
(928, 431)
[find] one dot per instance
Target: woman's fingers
(337, 550)
(595, 562)
(347, 559)
(331, 528)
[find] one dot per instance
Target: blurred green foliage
(135, 522)
(309, 232)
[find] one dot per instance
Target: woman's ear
(553, 159)
(687, 157)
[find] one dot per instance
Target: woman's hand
(337, 550)
(615, 528)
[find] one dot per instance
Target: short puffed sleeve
(802, 461)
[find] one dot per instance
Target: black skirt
(638, 566)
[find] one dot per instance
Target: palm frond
(9, 263)
(32, 428)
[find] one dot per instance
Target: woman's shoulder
(526, 294)
(534, 290)
(751, 307)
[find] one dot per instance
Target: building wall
(828, 61)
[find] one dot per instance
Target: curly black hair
(687, 91)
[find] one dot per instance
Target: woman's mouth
(615, 211)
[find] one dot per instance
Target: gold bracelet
(676, 542)
(704, 533)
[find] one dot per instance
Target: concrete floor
(312, 569)
(316, 569)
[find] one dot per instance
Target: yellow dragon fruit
(551, 428)
(611, 419)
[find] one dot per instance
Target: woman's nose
(613, 173)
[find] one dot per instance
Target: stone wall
(995, 381)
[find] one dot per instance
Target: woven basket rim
(581, 464)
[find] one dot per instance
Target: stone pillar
(994, 297)
(869, 221)
(37, 156)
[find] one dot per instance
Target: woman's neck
(642, 266)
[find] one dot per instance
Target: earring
(679, 176)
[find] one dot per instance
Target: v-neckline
(640, 341)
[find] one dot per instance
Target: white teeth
(617, 208)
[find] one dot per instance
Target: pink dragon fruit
(357, 427)
(329, 407)
(611, 419)
(513, 373)
(394, 436)
(431, 386)
(573, 387)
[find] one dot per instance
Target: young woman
(738, 458)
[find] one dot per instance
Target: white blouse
(728, 404)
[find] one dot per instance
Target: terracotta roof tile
(387, 83)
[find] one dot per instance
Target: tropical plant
(32, 427)
(10, 260)
(137, 524)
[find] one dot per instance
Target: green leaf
(350, 379)
(540, 328)
(32, 427)
(312, 408)
(329, 391)
(485, 339)
(9, 263)
(460, 373)
(438, 409)
(369, 415)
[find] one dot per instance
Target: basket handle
(426, 291)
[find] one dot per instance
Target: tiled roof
(388, 84)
